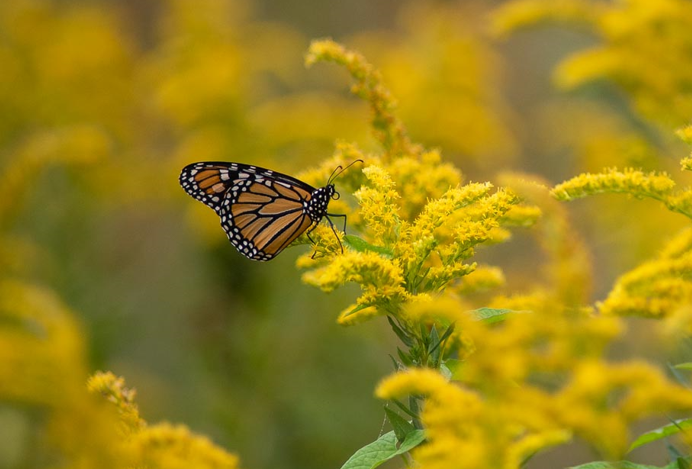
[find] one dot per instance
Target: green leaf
(445, 336)
(405, 359)
(680, 463)
(673, 453)
(445, 371)
(662, 432)
(683, 366)
(360, 245)
(397, 367)
(415, 409)
(404, 408)
(454, 367)
(491, 315)
(374, 454)
(400, 332)
(383, 449)
(413, 439)
(433, 336)
(401, 426)
(433, 345)
(424, 334)
(615, 465)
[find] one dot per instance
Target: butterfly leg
(340, 216)
(307, 233)
(334, 229)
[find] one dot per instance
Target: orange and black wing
(261, 211)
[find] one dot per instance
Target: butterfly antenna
(341, 169)
(329, 181)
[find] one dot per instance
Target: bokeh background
(102, 102)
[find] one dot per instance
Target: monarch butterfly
(261, 211)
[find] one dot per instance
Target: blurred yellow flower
(535, 381)
(656, 288)
(630, 181)
(442, 60)
(157, 446)
(42, 364)
(641, 46)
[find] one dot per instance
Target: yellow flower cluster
(656, 288)
(157, 446)
(406, 254)
(115, 391)
(482, 279)
(685, 135)
(42, 358)
(43, 369)
(388, 128)
(537, 377)
(630, 181)
(382, 212)
(43, 350)
(443, 61)
(418, 222)
(534, 381)
(525, 13)
(637, 183)
(642, 45)
(464, 431)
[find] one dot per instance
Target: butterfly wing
(261, 211)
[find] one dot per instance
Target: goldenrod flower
(658, 287)
(497, 383)
(389, 130)
(157, 446)
(166, 446)
(381, 279)
(657, 186)
(44, 353)
(608, 398)
(113, 388)
(463, 429)
(419, 226)
(481, 279)
(378, 199)
(686, 163)
(441, 60)
(523, 13)
(418, 223)
(630, 181)
(685, 134)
